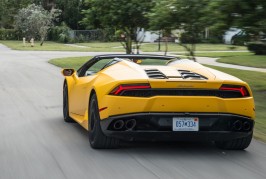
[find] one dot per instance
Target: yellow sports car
(150, 97)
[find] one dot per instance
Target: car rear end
(184, 106)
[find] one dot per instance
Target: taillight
(118, 90)
(241, 89)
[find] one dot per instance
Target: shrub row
(259, 48)
(8, 34)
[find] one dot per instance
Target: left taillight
(126, 87)
(241, 89)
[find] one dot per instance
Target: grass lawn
(70, 62)
(255, 79)
(238, 58)
(173, 47)
(113, 47)
(103, 46)
(47, 46)
(251, 60)
(76, 62)
(54, 46)
(223, 54)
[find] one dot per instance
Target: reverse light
(118, 90)
(242, 89)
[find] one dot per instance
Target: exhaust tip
(237, 125)
(118, 124)
(246, 126)
(130, 124)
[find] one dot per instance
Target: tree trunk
(128, 41)
(192, 54)
(128, 45)
(166, 46)
(42, 41)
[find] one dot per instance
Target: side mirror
(68, 72)
(137, 61)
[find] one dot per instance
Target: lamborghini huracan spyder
(150, 97)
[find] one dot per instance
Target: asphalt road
(36, 143)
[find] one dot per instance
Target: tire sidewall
(65, 102)
(93, 119)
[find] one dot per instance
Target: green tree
(247, 15)
(34, 21)
(127, 17)
(8, 10)
(188, 16)
(71, 12)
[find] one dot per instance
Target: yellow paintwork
(79, 89)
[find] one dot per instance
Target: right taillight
(241, 89)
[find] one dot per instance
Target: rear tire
(96, 137)
(67, 118)
(235, 144)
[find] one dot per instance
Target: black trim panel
(158, 127)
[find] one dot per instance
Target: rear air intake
(154, 73)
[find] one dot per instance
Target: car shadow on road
(205, 148)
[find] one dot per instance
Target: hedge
(8, 34)
(259, 48)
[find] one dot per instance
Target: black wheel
(96, 137)
(67, 118)
(235, 144)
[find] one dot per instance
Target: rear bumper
(158, 127)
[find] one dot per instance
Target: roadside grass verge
(222, 54)
(251, 60)
(256, 80)
(238, 58)
(114, 47)
(103, 46)
(54, 46)
(47, 46)
(70, 62)
(174, 47)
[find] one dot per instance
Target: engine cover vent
(188, 74)
(154, 73)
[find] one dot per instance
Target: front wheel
(96, 137)
(235, 144)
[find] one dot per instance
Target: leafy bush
(258, 48)
(188, 38)
(60, 34)
(80, 38)
(109, 35)
(212, 40)
(240, 39)
(34, 21)
(8, 34)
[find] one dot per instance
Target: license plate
(185, 124)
